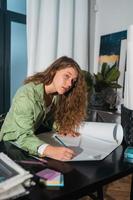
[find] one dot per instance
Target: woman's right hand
(59, 153)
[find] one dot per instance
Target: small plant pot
(97, 99)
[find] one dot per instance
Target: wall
(107, 17)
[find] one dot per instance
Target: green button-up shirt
(27, 112)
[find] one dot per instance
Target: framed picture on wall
(113, 50)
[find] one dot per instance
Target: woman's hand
(69, 133)
(59, 153)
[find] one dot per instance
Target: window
(18, 60)
(17, 6)
(13, 55)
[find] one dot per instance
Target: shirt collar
(39, 91)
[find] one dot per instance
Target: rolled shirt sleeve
(41, 149)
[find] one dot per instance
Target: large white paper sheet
(96, 141)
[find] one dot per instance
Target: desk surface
(96, 114)
(80, 178)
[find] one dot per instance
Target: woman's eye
(74, 81)
(66, 76)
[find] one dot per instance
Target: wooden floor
(118, 190)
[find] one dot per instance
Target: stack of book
(13, 178)
(51, 177)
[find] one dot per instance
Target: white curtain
(56, 28)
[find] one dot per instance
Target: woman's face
(64, 80)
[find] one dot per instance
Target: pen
(40, 159)
(30, 162)
(60, 141)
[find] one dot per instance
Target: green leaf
(113, 74)
(115, 85)
(98, 76)
(104, 70)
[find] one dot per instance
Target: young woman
(56, 95)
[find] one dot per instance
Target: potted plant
(103, 86)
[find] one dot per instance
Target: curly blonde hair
(71, 106)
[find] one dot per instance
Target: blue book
(57, 181)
